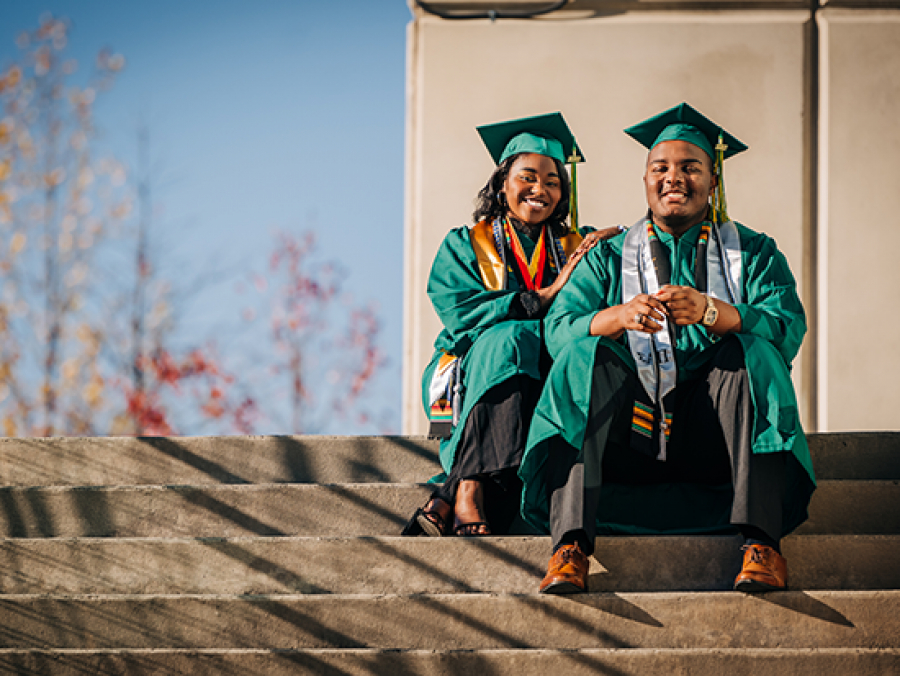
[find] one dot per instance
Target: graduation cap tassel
(573, 192)
(720, 208)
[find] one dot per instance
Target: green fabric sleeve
(579, 300)
(771, 309)
(457, 292)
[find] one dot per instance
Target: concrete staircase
(280, 555)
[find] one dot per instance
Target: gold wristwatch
(711, 314)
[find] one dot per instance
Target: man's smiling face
(679, 182)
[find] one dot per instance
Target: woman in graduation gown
(490, 285)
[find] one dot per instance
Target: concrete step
(856, 455)
(838, 507)
(511, 662)
(395, 565)
(121, 461)
(783, 620)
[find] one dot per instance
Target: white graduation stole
(654, 354)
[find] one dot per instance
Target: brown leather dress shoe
(567, 572)
(764, 570)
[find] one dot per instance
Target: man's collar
(689, 237)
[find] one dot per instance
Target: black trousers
(491, 447)
(710, 443)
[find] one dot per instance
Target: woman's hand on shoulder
(589, 241)
(595, 235)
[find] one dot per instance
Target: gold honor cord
(720, 208)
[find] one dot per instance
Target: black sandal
(426, 522)
(470, 490)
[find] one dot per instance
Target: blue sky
(263, 114)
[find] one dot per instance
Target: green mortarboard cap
(542, 134)
(683, 123)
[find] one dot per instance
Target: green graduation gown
(772, 328)
(478, 328)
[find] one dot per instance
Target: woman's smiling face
(533, 188)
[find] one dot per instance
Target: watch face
(711, 312)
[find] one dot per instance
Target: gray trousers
(710, 443)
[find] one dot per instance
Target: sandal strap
(472, 525)
(435, 517)
(414, 527)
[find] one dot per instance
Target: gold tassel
(720, 208)
(573, 191)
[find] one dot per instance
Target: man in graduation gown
(669, 407)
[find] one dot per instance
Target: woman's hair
(488, 205)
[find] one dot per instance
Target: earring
(501, 199)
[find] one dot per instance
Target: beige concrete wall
(858, 222)
(752, 70)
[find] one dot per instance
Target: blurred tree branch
(59, 206)
(86, 319)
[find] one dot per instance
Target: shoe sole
(428, 527)
(562, 588)
(755, 587)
